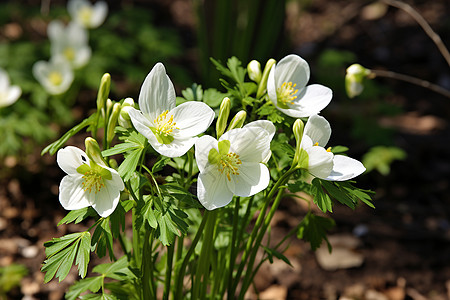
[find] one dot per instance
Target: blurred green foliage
(10, 277)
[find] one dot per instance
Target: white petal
(267, 125)
(82, 57)
(157, 92)
(271, 87)
(4, 80)
(292, 68)
(71, 194)
(318, 129)
(100, 10)
(12, 95)
(55, 30)
(192, 118)
(202, 147)
(116, 179)
(212, 189)
(345, 168)
(251, 144)
(320, 162)
(311, 100)
(70, 158)
(107, 199)
(178, 147)
(142, 124)
(252, 178)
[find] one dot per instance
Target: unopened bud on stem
(297, 128)
(265, 75)
(222, 119)
(103, 91)
(254, 71)
(93, 151)
(112, 122)
(238, 120)
(354, 78)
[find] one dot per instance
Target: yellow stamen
(85, 15)
(329, 149)
(286, 93)
(92, 181)
(316, 144)
(164, 124)
(229, 163)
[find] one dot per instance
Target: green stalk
(283, 179)
(201, 274)
(170, 252)
(233, 247)
(182, 270)
(148, 290)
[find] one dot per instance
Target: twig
(413, 80)
(424, 24)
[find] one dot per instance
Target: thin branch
(424, 24)
(413, 80)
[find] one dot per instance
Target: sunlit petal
(318, 129)
(345, 168)
(212, 189)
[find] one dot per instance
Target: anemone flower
(287, 89)
(87, 183)
(69, 42)
(234, 164)
(171, 130)
(321, 162)
(8, 93)
(86, 14)
(55, 76)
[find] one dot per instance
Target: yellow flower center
(55, 78)
(85, 16)
(92, 181)
(164, 127)
(229, 163)
(286, 94)
(69, 53)
(164, 124)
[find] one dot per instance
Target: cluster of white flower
(69, 45)
(233, 164)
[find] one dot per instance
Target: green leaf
(380, 158)
(338, 194)
(83, 255)
(92, 284)
(320, 198)
(102, 239)
(272, 252)
(78, 215)
(314, 230)
(53, 147)
(160, 164)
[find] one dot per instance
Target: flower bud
(263, 83)
(297, 128)
(103, 91)
(124, 117)
(354, 79)
(254, 71)
(238, 120)
(112, 122)
(93, 151)
(222, 119)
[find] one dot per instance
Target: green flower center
(286, 94)
(69, 53)
(85, 15)
(94, 177)
(227, 162)
(55, 78)
(164, 127)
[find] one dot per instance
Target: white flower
(86, 14)
(87, 183)
(321, 162)
(69, 42)
(233, 165)
(8, 93)
(55, 76)
(287, 89)
(170, 130)
(354, 79)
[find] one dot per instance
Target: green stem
(283, 179)
(170, 252)
(147, 268)
(202, 272)
(182, 270)
(233, 246)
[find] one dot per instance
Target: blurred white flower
(354, 79)
(69, 42)
(287, 89)
(8, 93)
(86, 14)
(55, 76)
(87, 183)
(170, 129)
